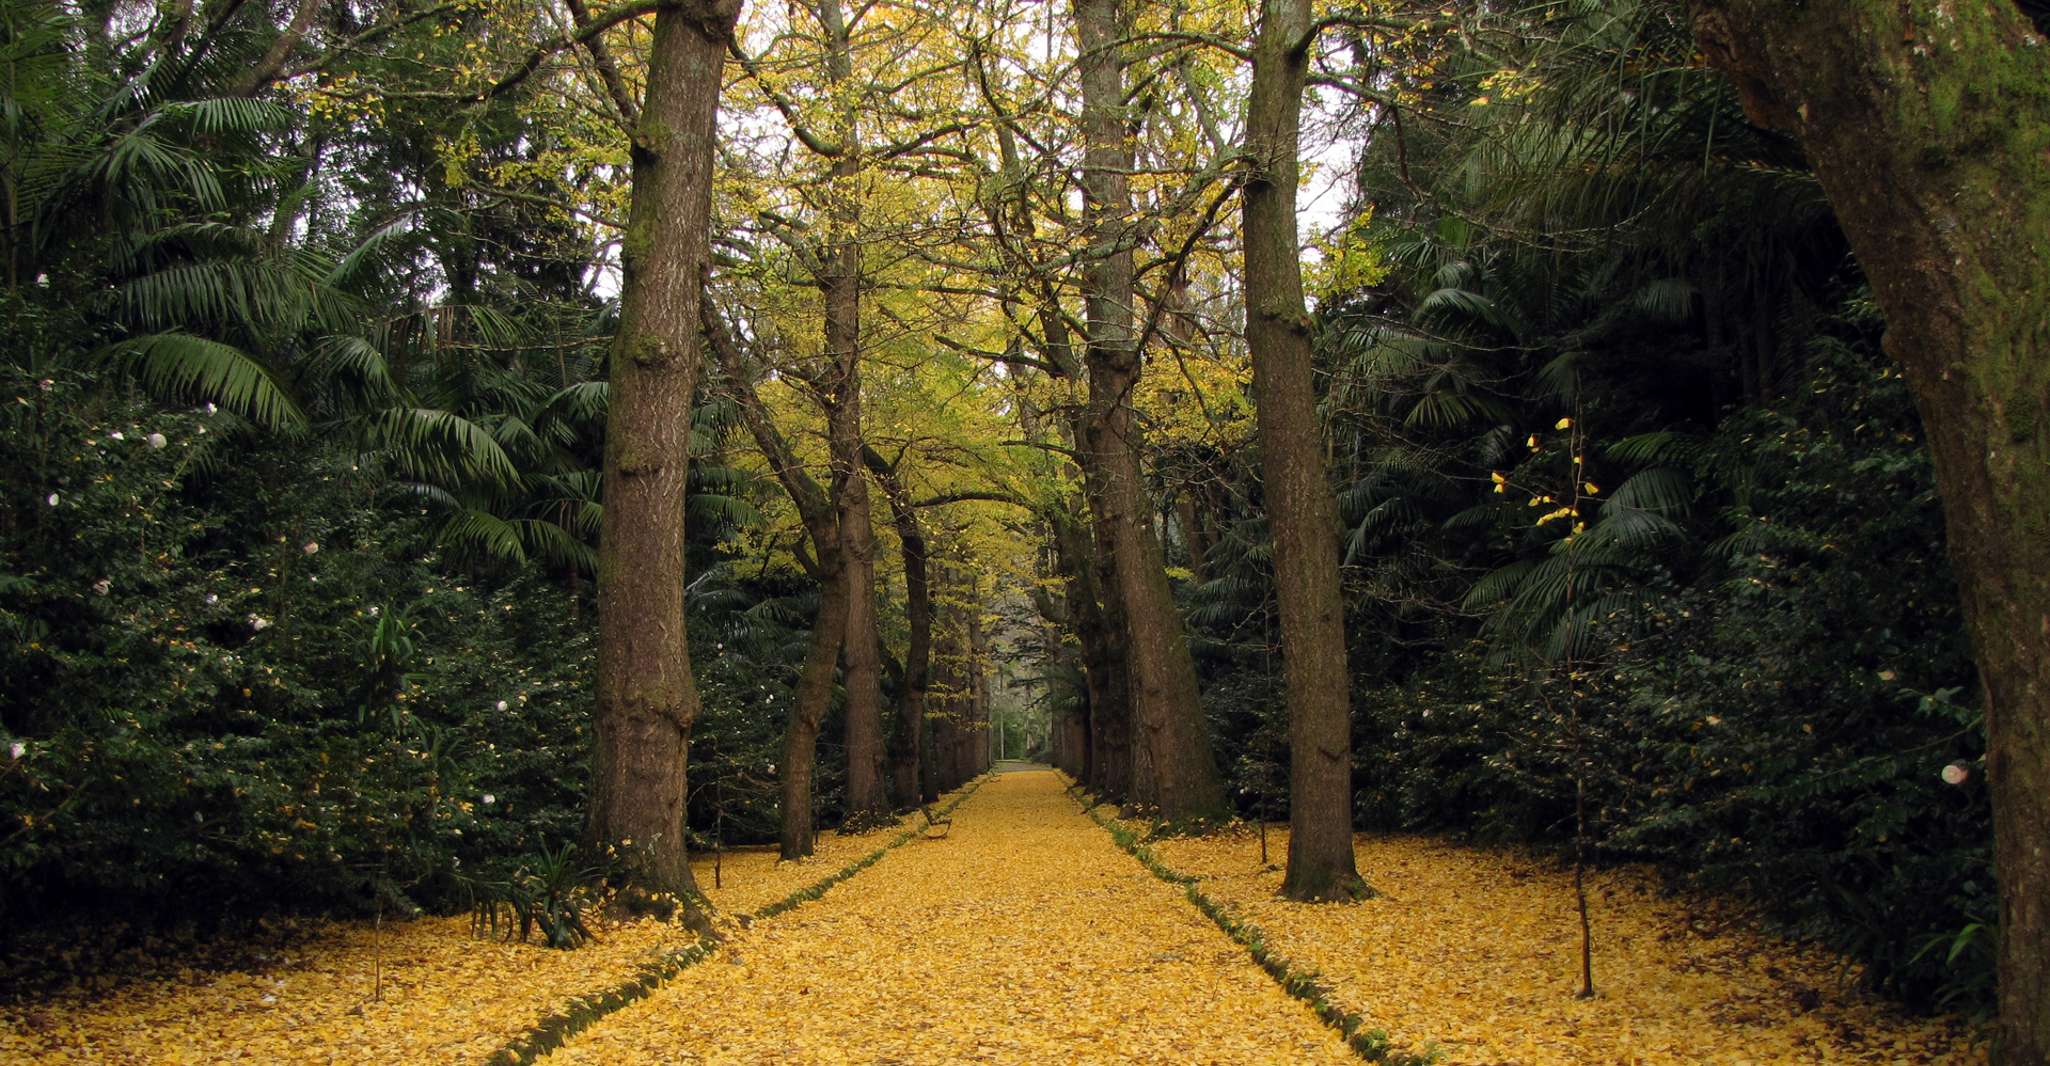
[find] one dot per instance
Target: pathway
(1024, 936)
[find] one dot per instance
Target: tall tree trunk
(814, 696)
(839, 283)
(975, 752)
(646, 697)
(1300, 505)
(904, 775)
(1928, 123)
(1108, 760)
(861, 660)
(1174, 769)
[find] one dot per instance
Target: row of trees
(980, 262)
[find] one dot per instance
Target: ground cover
(427, 990)
(1474, 954)
(1024, 936)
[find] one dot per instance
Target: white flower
(311, 547)
(489, 799)
(116, 435)
(213, 597)
(103, 586)
(158, 440)
(210, 408)
(1955, 774)
(373, 610)
(16, 750)
(259, 623)
(501, 705)
(51, 499)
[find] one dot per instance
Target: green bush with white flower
(237, 676)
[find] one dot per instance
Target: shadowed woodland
(1282, 531)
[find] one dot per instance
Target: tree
(646, 696)
(905, 787)
(1175, 769)
(826, 564)
(1300, 506)
(1928, 124)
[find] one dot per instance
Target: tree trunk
(814, 697)
(646, 697)
(868, 802)
(1300, 506)
(904, 763)
(1174, 768)
(1928, 123)
(839, 284)
(1108, 762)
(975, 751)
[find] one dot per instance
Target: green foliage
(1632, 500)
(549, 892)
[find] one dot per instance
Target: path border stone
(1372, 1045)
(581, 1012)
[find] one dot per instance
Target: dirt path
(1024, 936)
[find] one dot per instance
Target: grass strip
(1372, 1045)
(581, 1012)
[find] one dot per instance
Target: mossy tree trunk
(1928, 123)
(1298, 497)
(646, 697)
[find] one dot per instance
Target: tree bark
(904, 763)
(646, 697)
(1107, 759)
(1298, 497)
(1928, 123)
(868, 801)
(1175, 770)
(797, 835)
(975, 748)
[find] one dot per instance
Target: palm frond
(183, 367)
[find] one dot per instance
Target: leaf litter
(1024, 936)
(447, 995)
(1475, 953)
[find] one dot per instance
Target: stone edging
(1372, 1045)
(581, 1012)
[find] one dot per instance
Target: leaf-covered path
(1024, 936)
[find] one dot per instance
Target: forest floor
(1025, 936)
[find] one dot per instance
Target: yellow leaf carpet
(447, 995)
(1475, 953)
(1024, 936)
